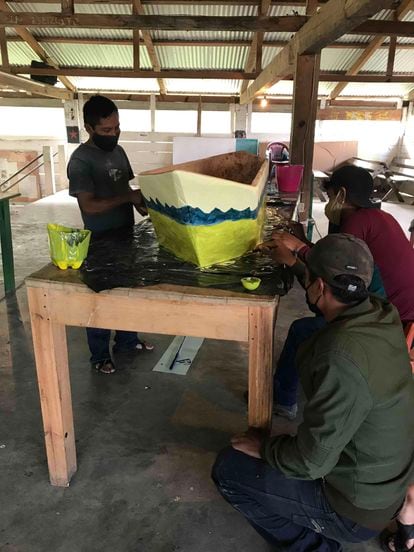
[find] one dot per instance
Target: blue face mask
(106, 143)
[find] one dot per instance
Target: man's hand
(289, 240)
(249, 442)
(137, 200)
(278, 251)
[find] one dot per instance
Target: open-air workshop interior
(206, 173)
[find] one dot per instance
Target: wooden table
(6, 241)
(59, 298)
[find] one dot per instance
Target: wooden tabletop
(53, 278)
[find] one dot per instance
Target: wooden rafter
(288, 23)
(152, 54)
(54, 39)
(369, 51)
(31, 87)
(321, 29)
(128, 73)
(254, 56)
(36, 47)
(68, 7)
(391, 56)
(324, 76)
(171, 2)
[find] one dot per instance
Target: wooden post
(63, 179)
(261, 335)
(49, 167)
(302, 138)
(199, 113)
(6, 246)
(3, 50)
(249, 119)
(152, 108)
(49, 341)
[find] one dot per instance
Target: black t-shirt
(105, 175)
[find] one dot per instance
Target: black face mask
(312, 306)
(106, 143)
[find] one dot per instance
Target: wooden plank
(49, 168)
(321, 29)
(290, 23)
(51, 39)
(50, 348)
(164, 316)
(3, 50)
(128, 73)
(182, 2)
(391, 56)
(136, 51)
(261, 336)
(20, 83)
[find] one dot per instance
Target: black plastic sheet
(133, 258)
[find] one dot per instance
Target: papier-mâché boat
(210, 210)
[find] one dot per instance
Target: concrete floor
(146, 441)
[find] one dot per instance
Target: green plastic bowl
(250, 282)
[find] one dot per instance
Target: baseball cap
(357, 182)
(339, 254)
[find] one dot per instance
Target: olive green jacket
(358, 426)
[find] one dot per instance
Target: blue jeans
(291, 514)
(98, 341)
(286, 379)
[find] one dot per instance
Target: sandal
(144, 346)
(104, 367)
(398, 538)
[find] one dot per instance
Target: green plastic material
(68, 246)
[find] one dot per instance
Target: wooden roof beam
(3, 50)
(53, 39)
(152, 54)
(372, 47)
(255, 50)
(289, 23)
(333, 20)
(35, 46)
(31, 87)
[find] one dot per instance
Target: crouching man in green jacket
(344, 476)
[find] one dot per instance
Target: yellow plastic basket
(68, 246)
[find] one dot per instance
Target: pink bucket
(289, 177)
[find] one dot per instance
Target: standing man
(99, 173)
(346, 472)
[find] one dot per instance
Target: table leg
(49, 341)
(6, 247)
(261, 335)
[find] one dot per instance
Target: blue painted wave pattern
(194, 216)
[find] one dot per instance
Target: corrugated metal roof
(20, 53)
(338, 59)
(69, 32)
(229, 10)
(102, 84)
(391, 90)
(203, 86)
(96, 55)
(280, 11)
(199, 57)
(202, 35)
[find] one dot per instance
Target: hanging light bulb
(263, 102)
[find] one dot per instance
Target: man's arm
(333, 414)
(92, 205)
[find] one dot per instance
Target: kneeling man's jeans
(292, 514)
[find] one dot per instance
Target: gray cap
(339, 254)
